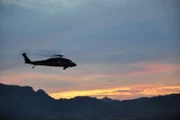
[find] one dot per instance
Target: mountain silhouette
(106, 99)
(23, 103)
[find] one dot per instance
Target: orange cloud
(70, 94)
(146, 69)
(153, 68)
(94, 84)
(20, 77)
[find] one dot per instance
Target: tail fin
(27, 60)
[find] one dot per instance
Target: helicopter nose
(75, 64)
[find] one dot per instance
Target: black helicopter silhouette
(55, 61)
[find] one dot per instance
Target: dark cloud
(139, 28)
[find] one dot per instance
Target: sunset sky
(124, 49)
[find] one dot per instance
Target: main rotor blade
(75, 54)
(48, 55)
(59, 55)
(42, 54)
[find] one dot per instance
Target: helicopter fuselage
(54, 62)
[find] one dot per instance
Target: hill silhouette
(23, 103)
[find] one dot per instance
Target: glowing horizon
(125, 94)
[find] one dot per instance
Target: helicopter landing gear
(64, 67)
(33, 66)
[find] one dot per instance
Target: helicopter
(55, 61)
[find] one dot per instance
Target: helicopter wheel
(64, 68)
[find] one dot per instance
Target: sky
(124, 49)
